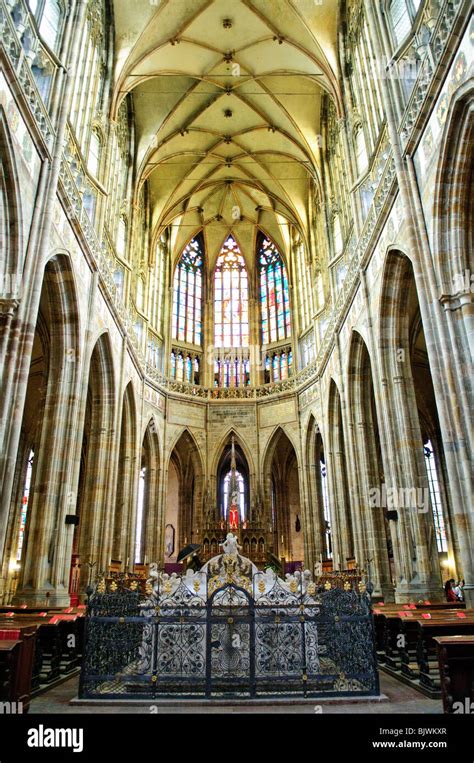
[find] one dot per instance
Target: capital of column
(8, 306)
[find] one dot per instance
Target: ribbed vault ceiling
(223, 152)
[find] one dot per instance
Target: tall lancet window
(327, 515)
(231, 295)
(240, 491)
(187, 297)
(435, 495)
(234, 494)
(274, 292)
(140, 515)
(24, 505)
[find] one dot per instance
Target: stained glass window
(276, 368)
(184, 367)
(400, 18)
(180, 368)
(93, 160)
(49, 15)
(231, 298)
(327, 516)
(274, 293)
(435, 495)
(187, 300)
(140, 513)
(241, 490)
(24, 506)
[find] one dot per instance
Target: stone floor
(401, 699)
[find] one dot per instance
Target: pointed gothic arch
(98, 448)
(374, 536)
(184, 474)
(51, 413)
(453, 205)
(126, 483)
(338, 480)
(147, 525)
(11, 239)
(243, 476)
(316, 532)
(399, 307)
(282, 496)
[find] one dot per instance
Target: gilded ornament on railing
(228, 583)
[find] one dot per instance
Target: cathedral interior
(236, 291)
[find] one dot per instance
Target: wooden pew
(456, 668)
(9, 654)
(426, 649)
(397, 634)
(56, 653)
(71, 649)
(48, 646)
(409, 631)
(17, 647)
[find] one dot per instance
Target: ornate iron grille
(241, 634)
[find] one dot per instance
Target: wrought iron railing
(230, 634)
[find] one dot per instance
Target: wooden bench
(456, 669)
(17, 646)
(426, 649)
(409, 633)
(56, 652)
(403, 651)
(48, 646)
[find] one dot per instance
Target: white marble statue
(153, 574)
(230, 545)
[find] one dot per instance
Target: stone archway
(185, 476)
(421, 571)
(372, 536)
(283, 505)
(47, 429)
(98, 447)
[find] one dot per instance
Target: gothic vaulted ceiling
(227, 99)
